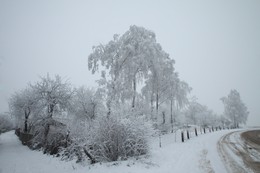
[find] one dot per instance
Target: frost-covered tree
(53, 94)
(164, 86)
(24, 104)
(126, 60)
(206, 117)
(198, 114)
(181, 93)
(224, 121)
(159, 81)
(193, 111)
(178, 93)
(234, 108)
(86, 103)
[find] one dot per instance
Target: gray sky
(216, 44)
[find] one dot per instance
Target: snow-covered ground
(199, 154)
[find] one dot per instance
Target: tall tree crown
(234, 108)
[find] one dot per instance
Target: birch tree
(178, 95)
(126, 61)
(234, 108)
(159, 81)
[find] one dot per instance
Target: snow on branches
(234, 108)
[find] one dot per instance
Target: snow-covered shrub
(5, 123)
(80, 136)
(119, 138)
(50, 135)
(73, 151)
(108, 138)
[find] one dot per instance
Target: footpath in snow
(199, 154)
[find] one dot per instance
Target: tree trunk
(50, 110)
(46, 132)
(152, 108)
(171, 117)
(93, 111)
(157, 103)
(234, 123)
(109, 108)
(26, 116)
(163, 114)
(26, 125)
(134, 88)
(111, 97)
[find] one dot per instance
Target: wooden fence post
(182, 136)
(196, 132)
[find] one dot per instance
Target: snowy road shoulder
(199, 154)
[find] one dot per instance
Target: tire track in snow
(204, 163)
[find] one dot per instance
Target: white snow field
(199, 154)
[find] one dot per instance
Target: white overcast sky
(216, 44)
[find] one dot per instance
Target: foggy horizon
(215, 45)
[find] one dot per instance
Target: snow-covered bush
(80, 136)
(119, 138)
(50, 135)
(73, 151)
(108, 138)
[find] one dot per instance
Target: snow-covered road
(199, 154)
(238, 154)
(16, 158)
